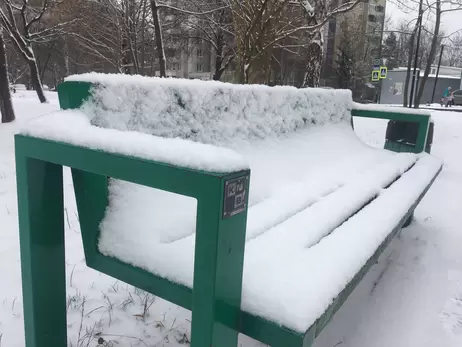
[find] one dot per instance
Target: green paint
(422, 120)
(41, 232)
(73, 94)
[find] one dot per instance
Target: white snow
(73, 126)
(390, 108)
(282, 235)
(436, 106)
(415, 297)
(338, 256)
(208, 112)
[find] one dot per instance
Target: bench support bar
(41, 231)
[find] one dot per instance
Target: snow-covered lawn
(412, 297)
(439, 107)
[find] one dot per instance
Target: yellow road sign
(383, 72)
(375, 76)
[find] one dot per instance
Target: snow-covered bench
(277, 170)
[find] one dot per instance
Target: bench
(257, 208)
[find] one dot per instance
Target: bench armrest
(74, 129)
(401, 114)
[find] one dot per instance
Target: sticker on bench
(235, 196)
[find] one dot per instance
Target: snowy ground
(413, 297)
(439, 107)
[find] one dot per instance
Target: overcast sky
(450, 21)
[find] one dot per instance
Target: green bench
(256, 208)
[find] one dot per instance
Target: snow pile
(208, 112)
(74, 127)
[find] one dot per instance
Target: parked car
(457, 97)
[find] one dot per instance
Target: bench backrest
(208, 112)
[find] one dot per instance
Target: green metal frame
(421, 119)
(219, 255)
(215, 299)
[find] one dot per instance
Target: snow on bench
(310, 175)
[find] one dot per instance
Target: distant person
(451, 99)
(447, 95)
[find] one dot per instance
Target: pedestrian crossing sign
(375, 76)
(383, 72)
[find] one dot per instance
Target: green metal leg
(41, 231)
(218, 269)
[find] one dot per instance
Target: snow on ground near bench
(414, 303)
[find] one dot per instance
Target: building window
(379, 8)
(199, 67)
(200, 54)
(372, 18)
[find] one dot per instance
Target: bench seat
(298, 246)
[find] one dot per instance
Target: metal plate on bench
(235, 200)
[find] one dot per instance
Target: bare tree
(453, 50)
(22, 25)
(114, 35)
(409, 66)
(196, 14)
(440, 7)
(159, 39)
(263, 25)
(213, 25)
(6, 106)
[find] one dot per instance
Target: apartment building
(366, 22)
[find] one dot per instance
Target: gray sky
(450, 21)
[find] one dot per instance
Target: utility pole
(416, 58)
(437, 73)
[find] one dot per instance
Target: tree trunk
(244, 72)
(218, 58)
(431, 55)
(408, 72)
(159, 39)
(313, 67)
(35, 80)
(218, 71)
(143, 45)
(66, 56)
(6, 106)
